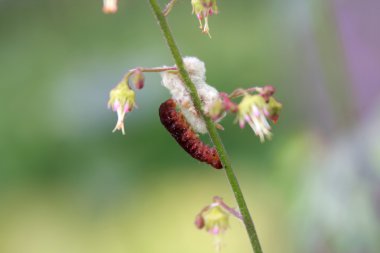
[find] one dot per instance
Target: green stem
(210, 127)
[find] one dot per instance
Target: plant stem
(210, 127)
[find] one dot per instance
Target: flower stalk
(210, 127)
(169, 7)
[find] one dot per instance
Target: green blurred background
(67, 184)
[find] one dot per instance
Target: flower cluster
(203, 9)
(255, 109)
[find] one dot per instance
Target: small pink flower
(253, 111)
(109, 6)
(122, 101)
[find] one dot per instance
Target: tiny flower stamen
(206, 28)
(120, 116)
(199, 16)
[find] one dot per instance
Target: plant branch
(210, 127)
(153, 70)
(169, 7)
(229, 209)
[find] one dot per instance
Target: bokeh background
(68, 185)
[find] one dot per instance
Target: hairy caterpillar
(182, 132)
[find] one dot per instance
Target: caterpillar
(185, 136)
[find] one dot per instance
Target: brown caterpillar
(182, 132)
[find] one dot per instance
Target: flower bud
(274, 108)
(216, 111)
(138, 79)
(109, 6)
(267, 92)
(227, 104)
(199, 221)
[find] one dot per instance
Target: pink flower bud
(138, 79)
(199, 221)
(267, 91)
(227, 103)
(274, 118)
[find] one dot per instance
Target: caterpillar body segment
(185, 136)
